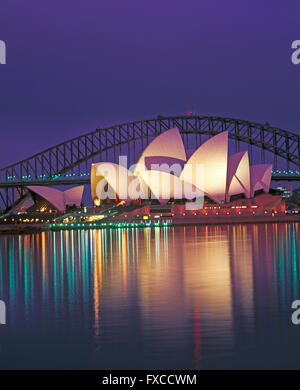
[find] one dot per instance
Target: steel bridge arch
(66, 156)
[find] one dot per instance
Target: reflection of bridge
(69, 162)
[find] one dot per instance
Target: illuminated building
(165, 180)
(164, 173)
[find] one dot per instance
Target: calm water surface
(166, 298)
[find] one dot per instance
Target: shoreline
(121, 223)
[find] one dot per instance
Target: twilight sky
(73, 66)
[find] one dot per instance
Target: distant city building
(286, 192)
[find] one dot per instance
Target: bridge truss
(68, 163)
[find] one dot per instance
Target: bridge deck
(81, 181)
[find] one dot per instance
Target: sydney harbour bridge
(68, 163)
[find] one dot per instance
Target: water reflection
(185, 297)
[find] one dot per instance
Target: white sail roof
(165, 186)
(59, 199)
(212, 157)
(167, 144)
(238, 175)
(120, 180)
(260, 177)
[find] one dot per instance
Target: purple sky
(73, 66)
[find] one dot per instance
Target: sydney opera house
(165, 172)
(169, 181)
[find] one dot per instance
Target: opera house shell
(59, 200)
(164, 172)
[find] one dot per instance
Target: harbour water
(191, 297)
